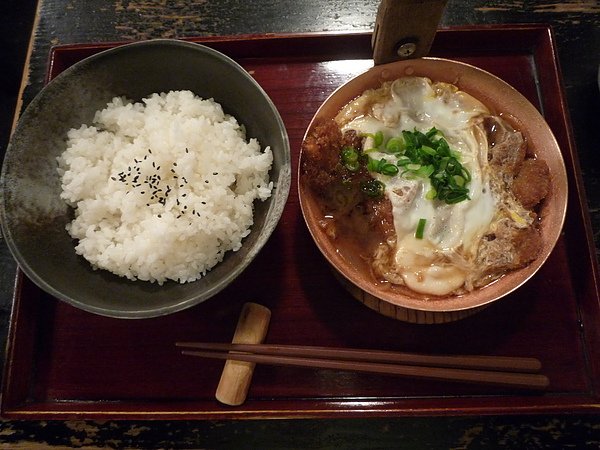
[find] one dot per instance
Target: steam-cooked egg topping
(438, 262)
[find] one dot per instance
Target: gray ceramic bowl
(34, 217)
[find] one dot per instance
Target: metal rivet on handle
(406, 49)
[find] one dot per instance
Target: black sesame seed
(113, 178)
(175, 164)
(215, 173)
(204, 203)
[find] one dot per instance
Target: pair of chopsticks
(519, 372)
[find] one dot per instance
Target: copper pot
(500, 98)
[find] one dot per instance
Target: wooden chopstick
(509, 364)
(503, 371)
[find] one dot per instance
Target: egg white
(437, 264)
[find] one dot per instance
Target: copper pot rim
(501, 98)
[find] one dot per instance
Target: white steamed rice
(162, 188)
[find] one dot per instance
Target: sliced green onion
(373, 165)
(403, 161)
(431, 133)
(417, 154)
(428, 150)
(377, 138)
(443, 163)
(382, 166)
(428, 155)
(409, 138)
(459, 180)
(349, 158)
(466, 175)
(456, 197)
(372, 188)
(420, 229)
(389, 169)
(424, 171)
(395, 145)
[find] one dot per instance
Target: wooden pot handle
(405, 29)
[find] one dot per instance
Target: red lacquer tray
(63, 362)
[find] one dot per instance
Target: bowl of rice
(144, 179)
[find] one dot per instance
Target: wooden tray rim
(553, 403)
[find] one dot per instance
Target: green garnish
(382, 166)
(420, 228)
(428, 155)
(395, 145)
(349, 156)
(372, 188)
(378, 138)
(377, 141)
(417, 155)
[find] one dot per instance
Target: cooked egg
(436, 263)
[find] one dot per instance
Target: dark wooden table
(577, 28)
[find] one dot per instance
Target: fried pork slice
(507, 147)
(528, 245)
(532, 183)
(351, 138)
(508, 248)
(321, 151)
(382, 217)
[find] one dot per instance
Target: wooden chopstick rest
(235, 379)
